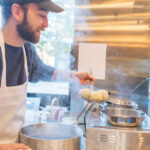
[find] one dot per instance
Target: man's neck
(11, 36)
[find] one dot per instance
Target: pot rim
(34, 138)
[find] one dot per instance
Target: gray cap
(44, 4)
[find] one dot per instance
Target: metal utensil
(82, 111)
(91, 82)
(124, 117)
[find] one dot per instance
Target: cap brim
(50, 6)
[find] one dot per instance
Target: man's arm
(40, 71)
(72, 76)
(37, 69)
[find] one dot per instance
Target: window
(55, 43)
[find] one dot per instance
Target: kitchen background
(124, 25)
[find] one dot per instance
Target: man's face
(35, 20)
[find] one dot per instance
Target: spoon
(90, 81)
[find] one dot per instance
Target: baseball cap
(44, 4)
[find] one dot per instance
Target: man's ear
(17, 12)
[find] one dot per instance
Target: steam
(120, 79)
(81, 22)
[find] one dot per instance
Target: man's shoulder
(30, 50)
(29, 46)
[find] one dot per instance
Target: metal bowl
(103, 106)
(124, 117)
(123, 102)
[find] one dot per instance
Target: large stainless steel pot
(52, 136)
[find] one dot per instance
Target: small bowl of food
(94, 96)
(124, 116)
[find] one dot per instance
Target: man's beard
(26, 32)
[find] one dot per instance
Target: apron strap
(3, 78)
(25, 63)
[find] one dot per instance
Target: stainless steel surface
(104, 139)
(103, 136)
(124, 117)
(51, 136)
(101, 122)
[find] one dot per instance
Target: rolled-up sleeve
(37, 69)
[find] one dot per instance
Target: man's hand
(85, 77)
(13, 146)
(72, 76)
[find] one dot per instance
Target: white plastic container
(69, 120)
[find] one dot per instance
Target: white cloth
(12, 103)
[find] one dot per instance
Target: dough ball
(104, 94)
(85, 93)
(95, 95)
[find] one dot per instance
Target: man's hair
(7, 11)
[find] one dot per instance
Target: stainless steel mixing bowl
(124, 117)
(122, 102)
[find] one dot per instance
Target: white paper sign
(92, 55)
